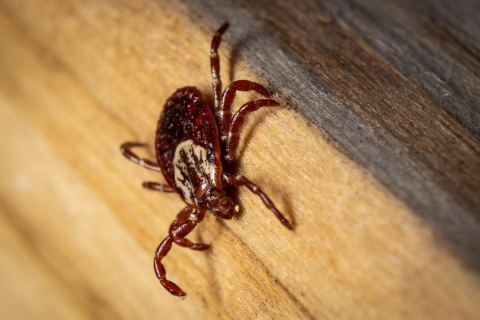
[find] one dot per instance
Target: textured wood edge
(337, 63)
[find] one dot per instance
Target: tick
(195, 146)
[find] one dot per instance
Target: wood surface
(374, 155)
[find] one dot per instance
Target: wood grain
(374, 155)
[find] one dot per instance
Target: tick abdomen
(186, 116)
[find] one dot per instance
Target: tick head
(219, 203)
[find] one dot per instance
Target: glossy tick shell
(195, 145)
(188, 117)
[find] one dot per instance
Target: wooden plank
(377, 169)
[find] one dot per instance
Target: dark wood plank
(393, 84)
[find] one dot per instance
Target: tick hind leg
(130, 155)
(224, 115)
(157, 186)
(239, 180)
(215, 65)
(178, 233)
(233, 137)
(229, 130)
(125, 149)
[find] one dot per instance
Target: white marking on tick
(191, 165)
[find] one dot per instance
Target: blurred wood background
(374, 155)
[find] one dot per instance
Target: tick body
(195, 145)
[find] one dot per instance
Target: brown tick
(195, 145)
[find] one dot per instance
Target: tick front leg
(157, 186)
(224, 115)
(181, 218)
(237, 121)
(125, 149)
(180, 232)
(239, 180)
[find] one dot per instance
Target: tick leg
(181, 218)
(215, 65)
(237, 121)
(157, 186)
(239, 180)
(125, 149)
(224, 115)
(180, 232)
